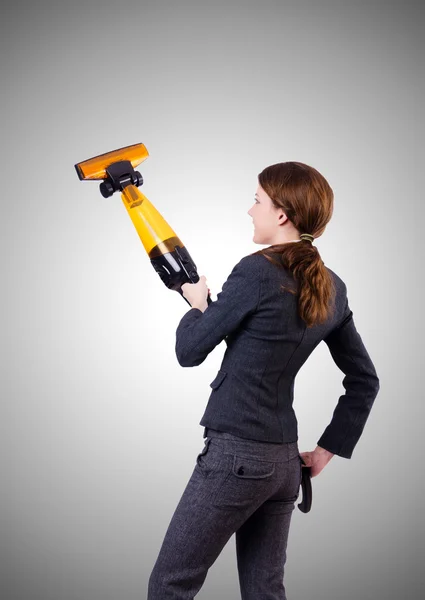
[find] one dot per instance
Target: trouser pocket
(248, 481)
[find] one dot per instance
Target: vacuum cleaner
(168, 255)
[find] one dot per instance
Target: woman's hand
(196, 293)
(317, 459)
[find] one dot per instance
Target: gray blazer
(267, 344)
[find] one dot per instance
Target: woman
(276, 306)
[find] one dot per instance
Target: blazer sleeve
(198, 333)
(361, 387)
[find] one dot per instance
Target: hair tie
(307, 236)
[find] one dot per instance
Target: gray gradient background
(99, 422)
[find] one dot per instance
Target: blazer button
(240, 471)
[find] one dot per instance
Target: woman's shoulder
(339, 282)
(257, 260)
(251, 261)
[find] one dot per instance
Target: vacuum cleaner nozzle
(96, 167)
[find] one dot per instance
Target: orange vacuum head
(115, 168)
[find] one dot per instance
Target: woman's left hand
(317, 459)
(196, 293)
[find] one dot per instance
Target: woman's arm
(360, 382)
(199, 332)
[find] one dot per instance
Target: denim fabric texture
(267, 344)
(237, 486)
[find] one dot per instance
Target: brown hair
(306, 198)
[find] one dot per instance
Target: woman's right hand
(317, 459)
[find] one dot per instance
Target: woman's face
(266, 218)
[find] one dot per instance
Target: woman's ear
(282, 218)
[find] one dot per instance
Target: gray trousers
(237, 486)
